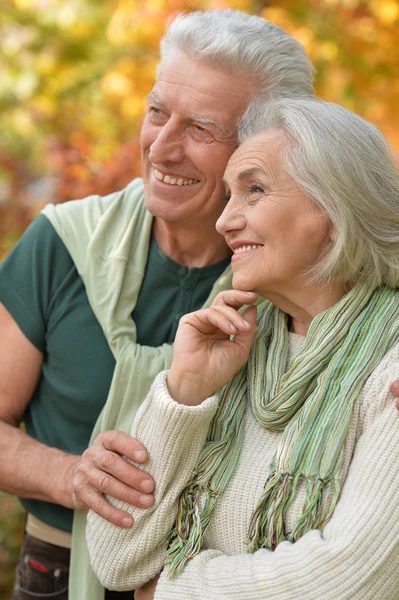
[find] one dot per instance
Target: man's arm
(28, 468)
(31, 469)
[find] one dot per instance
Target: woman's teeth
(173, 180)
(245, 248)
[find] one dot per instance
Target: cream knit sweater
(355, 557)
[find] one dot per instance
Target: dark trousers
(43, 571)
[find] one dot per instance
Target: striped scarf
(311, 403)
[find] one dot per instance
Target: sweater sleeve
(173, 435)
(355, 557)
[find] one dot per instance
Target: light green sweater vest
(108, 239)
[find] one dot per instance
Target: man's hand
(147, 591)
(395, 391)
(103, 470)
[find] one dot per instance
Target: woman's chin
(239, 283)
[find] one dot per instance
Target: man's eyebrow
(152, 96)
(206, 121)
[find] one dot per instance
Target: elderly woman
(284, 484)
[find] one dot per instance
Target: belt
(46, 533)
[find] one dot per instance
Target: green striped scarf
(311, 403)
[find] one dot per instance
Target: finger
(245, 338)
(120, 469)
(123, 443)
(102, 507)
(106, 484)
(234, 298)
(249, 315)
(394, 388)
(217, 319)
(237, 319)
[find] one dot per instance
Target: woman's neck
(304, 303)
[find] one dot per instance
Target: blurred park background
(74, 75)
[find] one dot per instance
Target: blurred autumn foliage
(74, 75)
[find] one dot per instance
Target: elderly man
(99, 282)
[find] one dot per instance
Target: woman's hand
(204, 356)
(147, 591)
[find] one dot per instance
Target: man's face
(187, 137)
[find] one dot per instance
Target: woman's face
(275, 231)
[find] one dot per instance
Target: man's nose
(231, 219)
(168, 145)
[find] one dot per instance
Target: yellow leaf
(387, 11)
(116, 84)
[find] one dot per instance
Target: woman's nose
(168, 145)
(231, 219)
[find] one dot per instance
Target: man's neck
(192, 247)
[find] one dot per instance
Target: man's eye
(154, 110)
(226, 197)
(199, 128)
(254, 188)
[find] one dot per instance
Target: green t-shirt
(40, 287)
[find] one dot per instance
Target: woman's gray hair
(346, 166)
(243, 44)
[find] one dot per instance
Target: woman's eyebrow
(244, 174)
(248, 172)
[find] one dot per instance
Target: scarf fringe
(187, 537)
(267, 525)
(312, 402)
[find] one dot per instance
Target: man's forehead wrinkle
(206, 120)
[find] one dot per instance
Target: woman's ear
(332, 233)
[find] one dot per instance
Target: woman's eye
(226, 196)
(255, 189)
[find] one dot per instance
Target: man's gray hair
(346, 166)
(247, 45)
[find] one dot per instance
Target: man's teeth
(173, 180)
(245, 248)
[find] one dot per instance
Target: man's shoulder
(96, 221)
(87, 212)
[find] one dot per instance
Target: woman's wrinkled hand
(205, 356)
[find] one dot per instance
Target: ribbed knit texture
(356, 557)
(312, 403)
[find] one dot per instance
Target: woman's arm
(356, 556)
(173, 431)
(173, 435)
